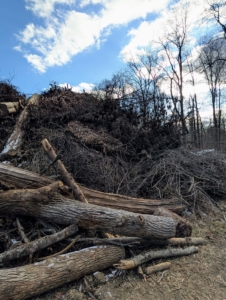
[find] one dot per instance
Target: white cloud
(83, 86)
(67, 32)
(44, 8)
(152, 31)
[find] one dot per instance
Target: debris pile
(11, 102)
(82, 184)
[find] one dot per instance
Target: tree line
(160, 85)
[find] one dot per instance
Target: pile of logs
(138, 222)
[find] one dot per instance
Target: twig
(146, 256)
(62, 251)
(38, 244)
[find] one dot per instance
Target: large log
(183, 224)
(13, 177)
(15, 140)
(27, 281)
(48, 204)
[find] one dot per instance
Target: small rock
(99, 278)
(74, 295)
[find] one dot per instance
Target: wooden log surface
(12, 177)
(14, 142)
(34, 279)
(183, 224)
(48, 204)
(157, 268)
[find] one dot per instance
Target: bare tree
(195, 119)
(143, 75)
(212, 63)
(217, 12)
(175, 46)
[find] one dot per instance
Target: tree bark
(183, 225)
(12, 177)
(27, 281)
(15, 140)
(48, 204)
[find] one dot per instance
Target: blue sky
(79, 42)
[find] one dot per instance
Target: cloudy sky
(78, 42)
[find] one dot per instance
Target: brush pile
(131, 183)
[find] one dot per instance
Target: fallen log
(41, 243)
(14, 142)
(30, 280)
(183, 224)
(48, 204)
(12, 177)
(149, 255)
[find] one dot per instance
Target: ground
(196, 277)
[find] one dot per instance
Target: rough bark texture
(67, 178)
(12, 177)
(27, 281)
(46, 203)
(183, 225)
(15, 140)
(38, 244)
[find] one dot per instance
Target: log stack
(31, 195)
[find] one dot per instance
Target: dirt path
(196, 277)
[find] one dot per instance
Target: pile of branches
(8, 93)
(196, 177)
(60, 106)
(101, 143)
(34, 244)
(105, 149)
